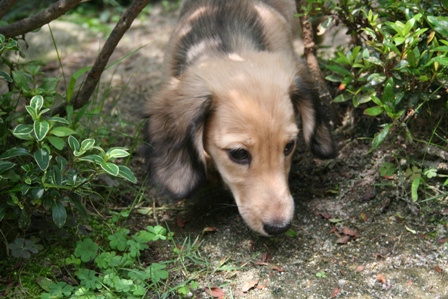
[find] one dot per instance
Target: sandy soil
(357, 234)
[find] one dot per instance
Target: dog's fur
(233, 91)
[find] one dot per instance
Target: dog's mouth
(273, 220)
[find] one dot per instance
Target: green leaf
(430, 173)
(408, 27)
(157, 272)
(399, 40)
(158, 231)
(93, 159)
(439, 24)
(23, 248)
(374, 60)
(57, 175)
(14, 152)
(42, 158)
(23, 132)
(5, 77)
(414, 189)
(73, 79)
(41, 129)
(442, 60)
(37, 102)
(110, 168)
(393, 47)
(387, 169)
(86, 250)
(62, 162)
(117, 152)
(5, 165)
(127, 174)
(87, 144)
(381, 136)
(33, 112)
(340, 70)
(374, 111)
(440, 49)
(62, 131)
(341, 98)
(44, 283)
(56, 142)
(60, 290)
(118, 240)
(377, 101)
(58, 213)
(22, 80)
(49, 85)
(88, 278)
(388, 97)
(291, 233)
(58, 119)
(73, 143)
(44, 111)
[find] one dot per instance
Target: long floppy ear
(316, 131)
(174, 133)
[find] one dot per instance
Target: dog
(233, 92)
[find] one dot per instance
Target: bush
(43, 166)
(397, 62)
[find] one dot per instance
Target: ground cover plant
(61, 175)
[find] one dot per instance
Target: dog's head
(238, 116)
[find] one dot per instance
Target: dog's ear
(174, 136)
(316, 130)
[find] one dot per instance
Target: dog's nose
(274, 228)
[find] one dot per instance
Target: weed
(321, 274)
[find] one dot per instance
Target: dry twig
(34, 22)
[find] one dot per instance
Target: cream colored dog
(233, 91)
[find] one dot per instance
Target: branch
(34, 22)
(95, 72)
(5, 6)
(310, 54)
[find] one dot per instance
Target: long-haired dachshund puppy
(233, 90)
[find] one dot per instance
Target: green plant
(397, 63)
(112, 272)
(321, 274)
(43, 166)
(37, 173)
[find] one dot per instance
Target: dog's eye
(240, 156)
(289, 147)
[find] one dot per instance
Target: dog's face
(251, 144)
(250, 136)
(241, 121)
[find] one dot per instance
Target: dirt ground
(357, 234)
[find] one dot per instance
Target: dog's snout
(276, 228)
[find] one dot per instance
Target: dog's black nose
(276, 228)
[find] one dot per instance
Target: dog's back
(210, 28)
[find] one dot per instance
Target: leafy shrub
(43, 166)
(397, 62)
(111, 273)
